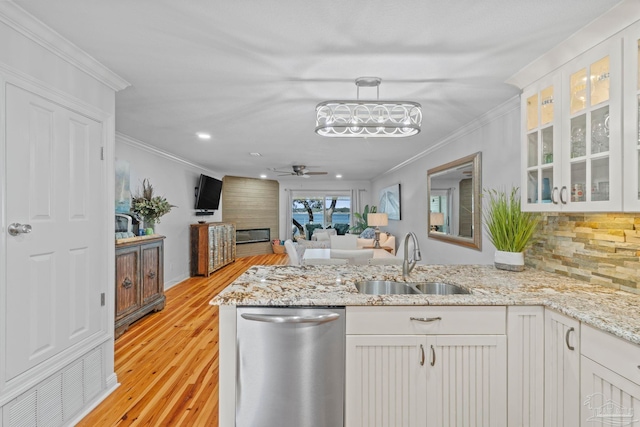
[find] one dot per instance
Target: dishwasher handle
(280, 318)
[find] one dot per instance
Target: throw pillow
(368, 233)
(322, 236)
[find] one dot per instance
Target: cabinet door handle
(422, 357)
(563, 193)
(566, 338)
(554, 195)
(152, 274)
(425, 319)
(126, 283)
(433, 356)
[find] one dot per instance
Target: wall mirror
(453, 192)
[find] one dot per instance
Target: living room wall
(176, 180)
(497, 135)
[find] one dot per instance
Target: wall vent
(57, 399)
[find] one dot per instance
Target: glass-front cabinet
(632, 119)
(573, 135)
(542, 135)
(593, 131)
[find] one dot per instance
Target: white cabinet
(525, 332)
(386, 380)
(609, 380)
(433, 366)
(631, 133)
(572, 135)
(562, 370)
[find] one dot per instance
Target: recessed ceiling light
(338, 176)
(256, 154)
(203, 135)
(263, 176)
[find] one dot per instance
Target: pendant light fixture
(368, 119)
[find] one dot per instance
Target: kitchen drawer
(453, 320)
(619, 355)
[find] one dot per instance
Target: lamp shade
(377, 219)
(436, 218)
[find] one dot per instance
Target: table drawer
(429, 320)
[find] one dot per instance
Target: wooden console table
(139, 279)
(213, 245)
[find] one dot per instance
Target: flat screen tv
(208, 193)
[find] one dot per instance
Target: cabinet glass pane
(600, 81)
(547, 145)
(578, 90)
(547, 185)
(638, 119)
(532, 112)
(578, 136)
(532, 149)
(578, 180)
(600, 179)
(546, 106)
(532, 188)
(600, 130)
(638, 175)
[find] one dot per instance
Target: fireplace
(254, 235)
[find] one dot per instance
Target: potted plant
(509, 229)
(360, 220)
(150, 207)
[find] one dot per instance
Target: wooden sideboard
(213, 245)
(139, 279)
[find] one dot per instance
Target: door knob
(15, 229)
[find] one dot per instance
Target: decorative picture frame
(390, 201)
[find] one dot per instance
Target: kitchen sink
(386, 287)
(439, 288)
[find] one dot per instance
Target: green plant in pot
(509, 229)
(360, 222)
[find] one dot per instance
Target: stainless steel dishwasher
(290, 367)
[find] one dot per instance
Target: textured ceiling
(251, 72)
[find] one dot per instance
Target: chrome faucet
(407, 266)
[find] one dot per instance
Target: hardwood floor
(167, 362)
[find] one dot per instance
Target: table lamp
(436, 219)
(376, 220)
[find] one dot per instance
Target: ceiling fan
(299, 170)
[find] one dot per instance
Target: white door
(55, 185)
(385, 381)
(468, 381)
(562, 370)
(608, 399)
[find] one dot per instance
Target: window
(310, 211)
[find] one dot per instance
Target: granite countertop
(607, 309)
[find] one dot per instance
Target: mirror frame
(474, 242)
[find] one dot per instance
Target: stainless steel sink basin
(386, 287)
(383, 287)
(439, 288)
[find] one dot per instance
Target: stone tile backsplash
(600, 248)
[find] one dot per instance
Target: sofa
(324, 242)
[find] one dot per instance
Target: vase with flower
(150, 207)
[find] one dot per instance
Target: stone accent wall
(600, 248)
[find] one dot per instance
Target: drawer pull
(425, 319)
(566, 338)
(152, 274)
(126, 283)
(422, 358)
(433, 356)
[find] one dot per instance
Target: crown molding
(136, 143)
(605, 26)
(502, 109)
(31, 27)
